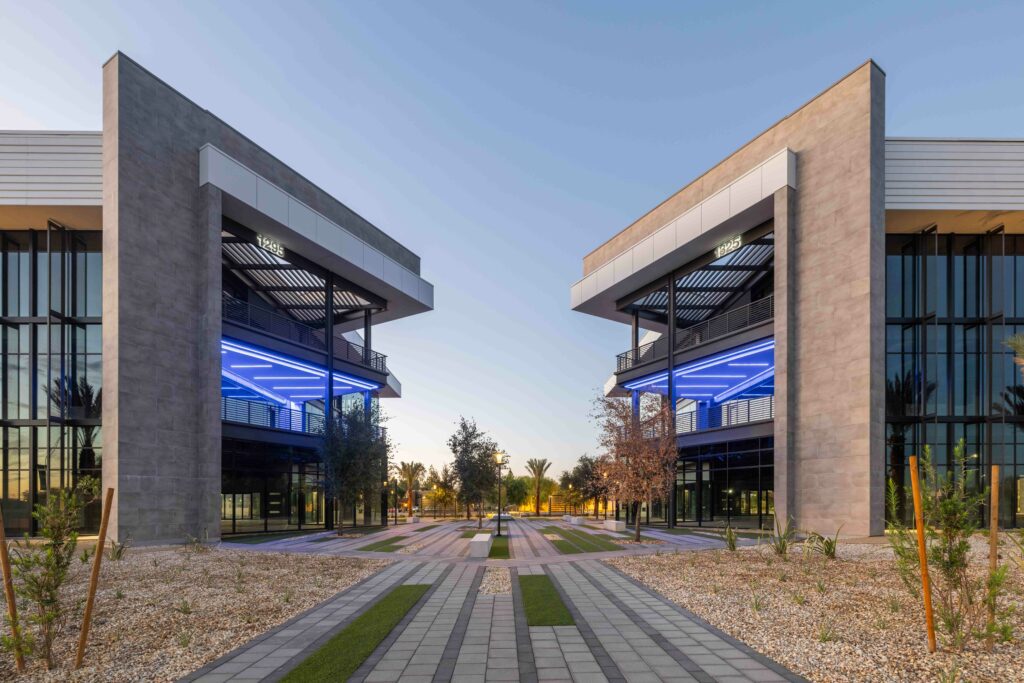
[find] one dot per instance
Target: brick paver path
(623, 630)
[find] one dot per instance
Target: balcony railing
(259, 414)
(729, 414)
(269, 322)
(735, 320)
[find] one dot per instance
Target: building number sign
(271, 245)
(728, 246)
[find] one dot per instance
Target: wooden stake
(94, 578)
(993, 538)
(12, 606)
(922, 553)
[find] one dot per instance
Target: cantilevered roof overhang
(737, 208)
(260, 205)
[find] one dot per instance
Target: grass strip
(470, 533)
(565, 547)
(343, 654)
(387, 545)
(543, 605)
(594, 542)
(499, 548)
(253, 539)
(587, 543)
(426, 528)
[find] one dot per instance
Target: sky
(501, 142)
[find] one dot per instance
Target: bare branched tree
(639, 451)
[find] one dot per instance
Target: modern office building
(179, 307)
(820, 305)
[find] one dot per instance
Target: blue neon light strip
(749, 369)
(260, 354)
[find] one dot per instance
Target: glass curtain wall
(52, 378)
(951, 303)
(268, 487)
(727, 484)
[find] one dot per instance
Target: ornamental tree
(638, 451)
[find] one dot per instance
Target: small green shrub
(825, 546)
(40, 570)
(184, 607)
(116, 551)
(730, 538)
(827, 633)
(799, 599)
(950, 504)
(782, 540)
(758, 602)
(819, 586)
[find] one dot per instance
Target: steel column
(670, 513)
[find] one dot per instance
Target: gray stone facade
(162, 300)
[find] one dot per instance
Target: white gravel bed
(163, 612)
(496, 581)
(848, 619)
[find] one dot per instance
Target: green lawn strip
(340, 656)
(252, 539)
(597, 541)
(387, 545)
(543, 605)
(566, 546)
(499, 548)
(588, 543)
(470, 533)
(426, 528)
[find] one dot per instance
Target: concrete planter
(614, 525)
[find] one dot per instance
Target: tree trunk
(636, 519)
(537, 511)
(480, 513)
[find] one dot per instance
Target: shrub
(782, 539)
(730, 538)
(950, 512)
(116, 551)
(827, 633)
(40, 570)
(825, 545)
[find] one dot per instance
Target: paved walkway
(623, 630)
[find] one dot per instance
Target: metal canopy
(292, 289)
(710, 289)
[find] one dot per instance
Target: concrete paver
(623, 631)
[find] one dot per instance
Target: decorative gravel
(161, 613)
(497, 580)
(856, 622)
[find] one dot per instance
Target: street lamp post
(572, 502)
(395, 490)
(501, 458)
(384, 489)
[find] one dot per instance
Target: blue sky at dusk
(503, 141)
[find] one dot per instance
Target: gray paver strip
(694, 636)
(385, 645)
(524, 645)
(632, 651)
(603, 653)
(418, 650)
(488, 651)
(447, 666)
(290, 641)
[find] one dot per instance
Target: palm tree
(905, 396)
(410, 473)
(537, 469)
